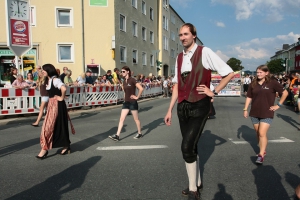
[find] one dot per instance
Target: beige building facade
(99, 35)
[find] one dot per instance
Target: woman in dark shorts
(130, 104)
(261, 94)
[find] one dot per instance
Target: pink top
(17, 83)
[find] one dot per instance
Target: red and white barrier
(23, 101)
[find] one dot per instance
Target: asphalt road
(227, 150)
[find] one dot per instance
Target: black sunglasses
(123, 71)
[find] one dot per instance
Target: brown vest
(198, 76)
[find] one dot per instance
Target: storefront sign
(233, 88)
(7, 52)
(102, 3)
(19, 31)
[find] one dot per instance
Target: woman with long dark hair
(130, 104)
(261, 94)
(55, 131)
(13, 74)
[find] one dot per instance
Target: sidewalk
(30, 118)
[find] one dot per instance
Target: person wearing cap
(88, 77)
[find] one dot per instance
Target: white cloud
(224, 57)
(220, 24)
(271, 10)
(258, 50)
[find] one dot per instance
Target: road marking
(132, 147)
(281, 140)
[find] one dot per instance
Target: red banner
(19, 31)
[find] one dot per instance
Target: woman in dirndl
(55, 131)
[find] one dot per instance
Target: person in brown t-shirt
(261, 94)
(130, 104)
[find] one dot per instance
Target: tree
(235, 64)
(275, 66)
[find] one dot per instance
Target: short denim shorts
(45, 98)
(131, 105)
(256, 120)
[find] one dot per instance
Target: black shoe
(42, 157)
(138, 136)
(67, 151)
(194, 195)
(185, 192)
(35, 125)
(114, 137)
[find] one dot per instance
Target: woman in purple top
(129, 87)
(261, 94)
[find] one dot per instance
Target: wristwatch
(215, 93)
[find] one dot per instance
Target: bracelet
(279, 104)
(244, 109)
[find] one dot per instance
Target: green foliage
(235, 64)
(275, 66)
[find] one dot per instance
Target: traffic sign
(18, 26)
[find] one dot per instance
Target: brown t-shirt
(129, 88)
(263, 97)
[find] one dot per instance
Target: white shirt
(210, 61)
(80, 80)
(56, 82)
(165, 84)
(247, 80)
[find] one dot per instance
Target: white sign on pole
(18, 26)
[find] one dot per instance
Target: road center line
(281, 140)
(132, 147)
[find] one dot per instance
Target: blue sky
(249, 30)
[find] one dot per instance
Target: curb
(29, 118)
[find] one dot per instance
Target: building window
(64, 17)
(165, 43)
(165, 23)
(151, 14)
(173, 19)
(151, 37)
(144, 58)
(172, 53)
(144, 7)
(65, 52)
(135, 56)
(123, 54)
(32, 16)
(165, 4)
(134, 29)
(134, 3)
(144, 33)
(122, 23)
(151, 60)
(172, 35)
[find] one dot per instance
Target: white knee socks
(193, 172)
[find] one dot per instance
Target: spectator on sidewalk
(109, 76)
(68, 80)
(36, 73)
(116, 76)
(29, 79)
(88, 78)
(62, 76)
(166, 88)
(19, 83)
(13, 74)
(81, 79)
